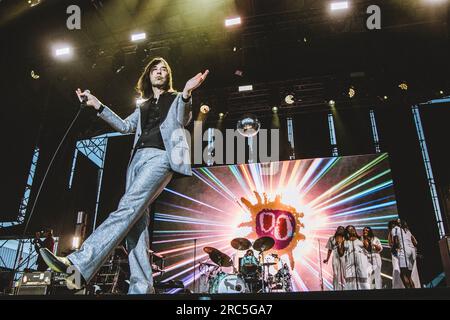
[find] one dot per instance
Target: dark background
(412, 46)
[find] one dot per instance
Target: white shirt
(404, 237)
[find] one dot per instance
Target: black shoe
(57, 264)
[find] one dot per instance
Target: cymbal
(208, 264)
(263, 244)
(241, 244)
(208, 250)
(218, 257)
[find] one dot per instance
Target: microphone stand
(263, 272)
(195, 262)
(371, 261)
(354, 264)
(320, 263)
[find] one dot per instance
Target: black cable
(48, 169)
(45, 176)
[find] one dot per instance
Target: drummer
(248, 260)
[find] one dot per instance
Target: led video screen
(297, 203)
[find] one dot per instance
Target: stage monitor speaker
(444, 246)
(24, 290)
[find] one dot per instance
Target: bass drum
(227, 283)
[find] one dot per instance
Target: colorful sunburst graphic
(218, 204)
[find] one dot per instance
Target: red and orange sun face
(276, 220)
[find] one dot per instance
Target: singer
(158, 124)
(374, 248)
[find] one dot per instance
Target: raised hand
(91, 99)
(194, 83)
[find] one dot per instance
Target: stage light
(351, 92)
(435, 1)
(234, 49)
(34, 3)
(63, 51)
(138, 36)
(289, 99)
(385, 97)
(339, 5)
(245, 88)
(221, 115)
(403, 85)
(75, 242)
(441, 93)
(232, 21)
(274, 109)
(34, 75)
(332, 103)
(204, 109)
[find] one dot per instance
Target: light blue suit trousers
(147, 175)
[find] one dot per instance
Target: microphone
(84, 99)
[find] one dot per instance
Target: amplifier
(34, 283)
(36, 290)
(36, 278)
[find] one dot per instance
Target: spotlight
(63, 51)
(232, 21)
(441, 93)
(245, 88)
(289, 99)
(274, 109)
(204, 109)
(75, 242)
(403, 85)
(234, 49)
(351, 92)
(138, 36)
(339, 5)
(332, 103)
(385, 97)
(34, 3)
(221, 115)
(436, 1)
(34, 75)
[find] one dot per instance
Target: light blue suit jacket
(172, 131)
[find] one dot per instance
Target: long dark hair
(370, 233)
(337, 233)
(347, 233)
(392, 224)
(144, 85)
(404, 225)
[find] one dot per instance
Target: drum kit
(251, 275)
